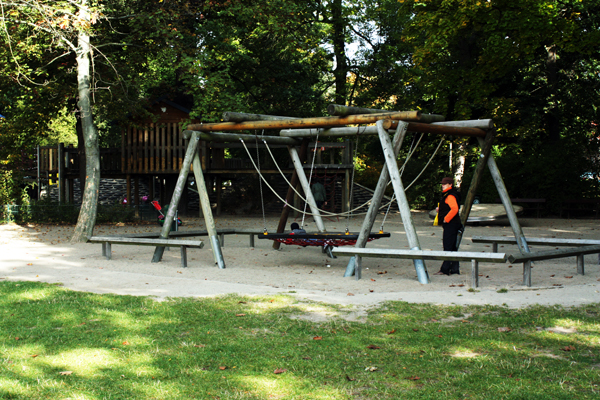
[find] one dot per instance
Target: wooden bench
(580, 206)
(474, 257)
(538, 203)
(526, 258)
(221, 232)
(107, 241)
(495, 240)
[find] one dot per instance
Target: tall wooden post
(61, 173)
(505, 198)
(409, 227)
(355, 263)
(477, 175)
(306, 187)
(289, 197)
(206, 209)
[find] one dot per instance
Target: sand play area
(43, 253)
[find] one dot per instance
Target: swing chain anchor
(347, 231)
(265, 231)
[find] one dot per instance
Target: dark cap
(447, 181)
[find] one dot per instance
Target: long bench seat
(107, 241)
(474, 257)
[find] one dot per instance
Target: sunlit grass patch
(55, 343)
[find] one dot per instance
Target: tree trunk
(339, 49)
(89, 203)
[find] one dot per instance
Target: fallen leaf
(372, 280)
(318, 338)
(222, 368)
(371, 290)
(199, 345)
(464, 321)
(372, 346)
(439, 335)
(306, 358)
(35, 355)
(504, 329)
(461, 285)
(371, 369)
(349, 379)
(66, 372)
(126, 343)
(569, 277)
(568, 348)
(350, 294)
(452, 285)
(552, 276)
(415, 329)
(392, 331)
(557, 284)
(241, 302)
(240, 315)
(413, 378)
(279, 371)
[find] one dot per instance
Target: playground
(43, 253)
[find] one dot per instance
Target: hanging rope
(302, 198)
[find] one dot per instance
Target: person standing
(318, 191)
(448, 216)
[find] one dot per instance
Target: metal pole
(179, 187)
(207, 212)
(411, 233)
(354, 266)
(306, 187)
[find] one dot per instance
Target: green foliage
(13, 191)
(58, 342)
(48, 211)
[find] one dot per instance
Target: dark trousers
(449, 241)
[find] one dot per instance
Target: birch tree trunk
(89, 204)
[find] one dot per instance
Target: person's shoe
(440, 273)
(454, 272)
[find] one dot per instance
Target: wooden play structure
(295, 133)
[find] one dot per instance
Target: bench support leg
(580, 265)
(222, 239)
(474, 273)
(107, 250)
(184, 256)
(527, 273)
(495, 247)
(251, 240)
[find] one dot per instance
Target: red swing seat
(320, 239)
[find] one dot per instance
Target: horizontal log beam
(230, 116)
(343, 111)
(236, 137)
(372, 130)
(437, 129)
(318, 122)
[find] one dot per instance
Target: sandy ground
(43, 253)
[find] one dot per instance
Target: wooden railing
(153, 149)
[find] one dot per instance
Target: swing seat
(320, 239)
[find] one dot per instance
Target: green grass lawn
(60, 344)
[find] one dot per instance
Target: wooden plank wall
(154, 149)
